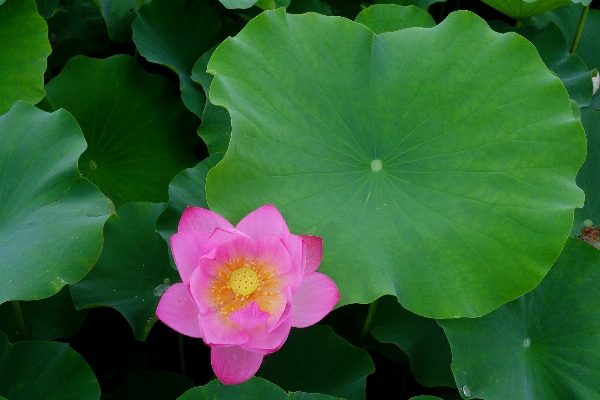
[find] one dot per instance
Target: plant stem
(579, 28)
(518, 23)
(181, 356)
(20, 321)
(368, 321)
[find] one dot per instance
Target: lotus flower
(244, 287)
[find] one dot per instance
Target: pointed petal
(200, 288)
(177, 310)
(234, 365)
(187, 248)
(314, 252)
(249, 317)
(238, 243)
(265, 220)
(272, 251)
(201, 219)
(217, 329)
(297, 249)
(315, 298)
(268, 342)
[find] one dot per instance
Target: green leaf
(187, 189)
(567, 19)
(521, 9)
(424, 4)
(420, 338)
(140, 135)
(588, 177)
(81, 20)
(50, 217)
(436, 178)
(253, 389)
(119, 16)
(175, 33)
(44, 370)
(238, 4)
(215, 130)
(303, 6)
(544, 345)
(23, 52)
(47, 319)
(46, 8)
(133, 270)
(382, 18)
(150, 385)
(571, 70)
(311, 354)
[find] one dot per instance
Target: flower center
(243, 281)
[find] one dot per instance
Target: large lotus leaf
(215, 130)
(588, 177)
(119, 16)
(44, 370)
(382, 18)
(176, 33)
(253, 389)
(47, 319)
(420, 338)
(316, 360)
(50, 217)
(23, 53)
(521, 9)
(139, 133)
(427, 159)
(133, 270)
(544, 345)
(150, 385)
(567, 19)
(424, 4)
(187, 189)
(571, 70)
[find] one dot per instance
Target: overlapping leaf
(382, 18)
(47, 319)
(309, 355)
(176, 33)
(23, 53)
(44, 370)
(544, 345)
(437, 164)
(521, 9)
(139, 133)
(133, 270)
(253, 389)
(420, 338)
(51, 218)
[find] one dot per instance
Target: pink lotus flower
(245, 287)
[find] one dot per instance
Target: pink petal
(177, 310)
(187, 248)
(315, 298)
(234, 365)
(237, 243)
(268, 342)
(280, 308)
(200, 288)
(250, 317)
(314, 252)
(201, 219)
(274, 254)
(217, 329)
(265, 220)
(297, 249)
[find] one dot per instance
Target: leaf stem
(181, 356)
(368, 321)
(518, 23)
(20, 320)
(579, 28)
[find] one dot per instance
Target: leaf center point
(376, 165)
